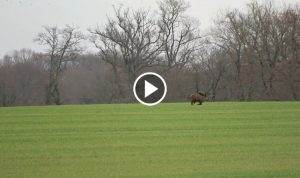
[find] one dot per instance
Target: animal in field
(197, 97)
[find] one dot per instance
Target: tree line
(245, 56)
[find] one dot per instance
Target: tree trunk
(53, 94)
(117, 83)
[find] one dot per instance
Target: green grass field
(257, 139)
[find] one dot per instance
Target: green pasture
(222, 139)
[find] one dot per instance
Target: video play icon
(150, 89)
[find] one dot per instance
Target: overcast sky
(21, 20)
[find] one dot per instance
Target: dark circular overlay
(155, 80)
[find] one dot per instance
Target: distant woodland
(249, 55)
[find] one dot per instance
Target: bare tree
(7, 84)
(289, 69)
(179, 33)
(22, 79)
(62, 46)
(214, 68)
(267, 39)
(229, 35)
(130, 40)
(209, 70)
(108, 52)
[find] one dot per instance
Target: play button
(149, 89)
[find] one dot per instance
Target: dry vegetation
(247, 55)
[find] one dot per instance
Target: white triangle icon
(149, 89)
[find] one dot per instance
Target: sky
(21, 20)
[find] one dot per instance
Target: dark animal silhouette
(197, 97)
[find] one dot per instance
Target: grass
(228, 139)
